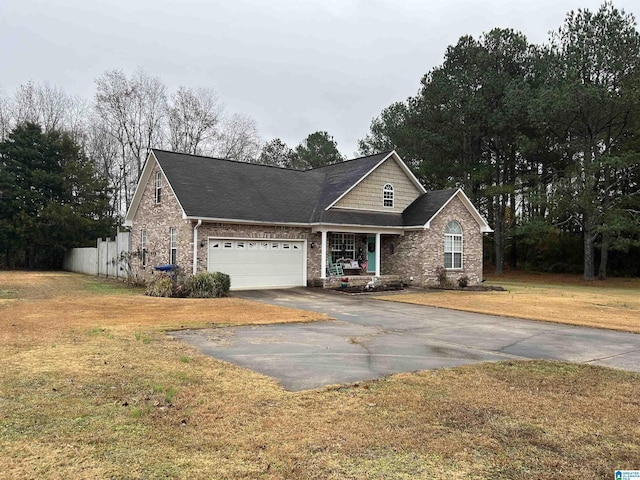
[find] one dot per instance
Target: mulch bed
(364, 289)
(472, 288)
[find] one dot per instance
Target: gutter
(195, 246)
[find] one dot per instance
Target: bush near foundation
(209, 285)
(201, 285)
(160, 286)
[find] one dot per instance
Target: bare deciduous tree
(193, 117)
(105, 154)
(48, 106)
(5, 116)
(239, 139)
(132, 111)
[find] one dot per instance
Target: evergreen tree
(51, 199)
(317, 150)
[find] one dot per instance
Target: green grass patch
(110, 287)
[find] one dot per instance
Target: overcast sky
(296, 67)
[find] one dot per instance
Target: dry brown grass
(40, 306)
(113, 397)
(612, 304)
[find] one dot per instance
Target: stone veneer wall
(418, 253)
(157, 219)
(227, 230)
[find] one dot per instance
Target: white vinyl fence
(103, 259)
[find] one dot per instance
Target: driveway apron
(371, 338)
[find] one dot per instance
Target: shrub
(160, 286)
(463, 282)
(441, 277)
(224, 281)
(209, 285)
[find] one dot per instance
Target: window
(143, 246)
(453, 245)
(158, 186)
(387, 195)
(173, 244)
(343, 245)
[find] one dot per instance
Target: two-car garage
(259, 263)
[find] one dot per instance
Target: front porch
(352, 252)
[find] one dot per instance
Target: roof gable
(145, 176)
(382, 158)
(421, 212)
(367, 194)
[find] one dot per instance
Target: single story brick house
(270, 227)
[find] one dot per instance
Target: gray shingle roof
(223, 189)
(426, 206)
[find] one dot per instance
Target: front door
(371, 254)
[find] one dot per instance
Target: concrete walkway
(371, 339)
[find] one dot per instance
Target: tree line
(129, 115)
(69, 167)
(545, 139)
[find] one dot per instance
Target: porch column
(378, 245)
(323, 254)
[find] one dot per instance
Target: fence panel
(103, 259)
(81, 260)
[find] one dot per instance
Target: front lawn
(91, 387)
(612, 304)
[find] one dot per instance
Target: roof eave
(137, 195)
(244, 221)
(355, 228)
(142, 182)
(484, 226)
(408, 172)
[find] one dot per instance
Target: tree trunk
(604, 256)
(498, 235)
(589, 263)
(513, 255)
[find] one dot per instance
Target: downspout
(195, 246)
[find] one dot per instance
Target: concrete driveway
(371, 339)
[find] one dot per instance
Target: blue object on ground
(166, 268)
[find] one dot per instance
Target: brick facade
(417, 254)
(228, 230)
(157, 219)
(414, 255)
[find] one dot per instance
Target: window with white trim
(158, 187)
(453, 245)
(387, 195)
(343, 245)
(143, 246)
(173, 245)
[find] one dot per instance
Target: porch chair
(334, 269)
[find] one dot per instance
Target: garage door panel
(258, 264)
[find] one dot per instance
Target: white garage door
(258, 263)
